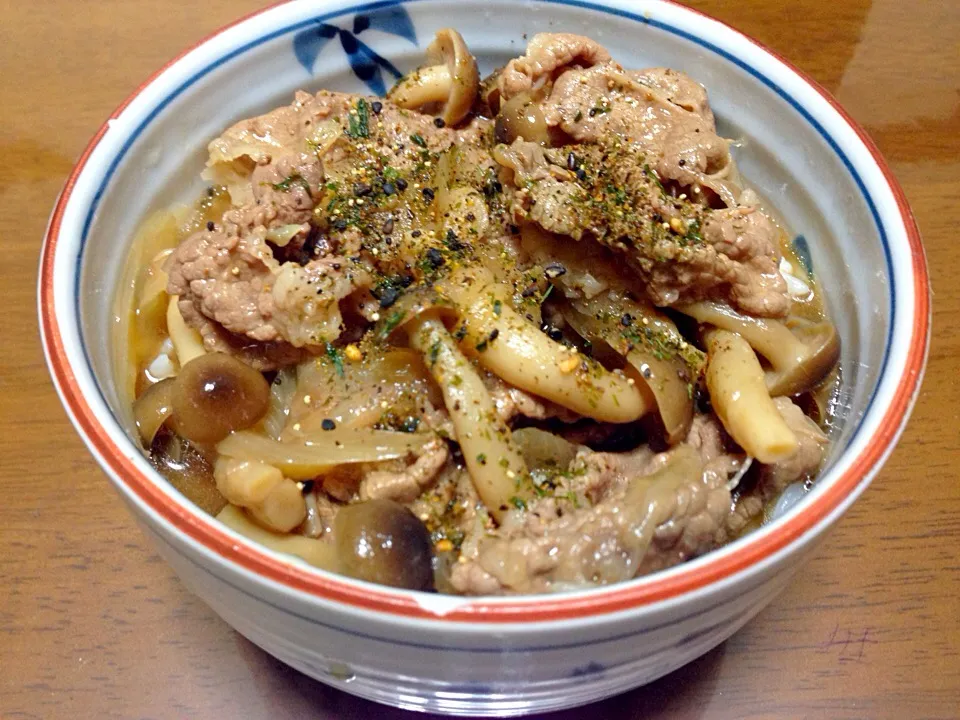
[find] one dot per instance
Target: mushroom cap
(448, 48)
(823, 351)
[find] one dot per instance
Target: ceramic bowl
(515, 655)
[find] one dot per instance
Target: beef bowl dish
(484, 372)
(514, 334)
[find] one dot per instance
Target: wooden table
(94, 625)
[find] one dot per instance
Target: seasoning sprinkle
(328, 424)
(568, 365)
(554, 270)
(439, 122)
(210, 225)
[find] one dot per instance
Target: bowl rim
(640, 592)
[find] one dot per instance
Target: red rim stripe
(544, 608)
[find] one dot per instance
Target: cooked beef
(404, 485)
(547, 55)
(687, 252)
(236, 282)
(628, 526)
(771, 480)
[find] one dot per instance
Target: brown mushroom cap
(450, 78)
(821, 351)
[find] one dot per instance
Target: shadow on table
(685, 693)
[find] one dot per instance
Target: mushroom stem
(426, 85)
(799, 358)
(770, 338)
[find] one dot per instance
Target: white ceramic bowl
(490, 656)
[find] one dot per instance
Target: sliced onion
(315, 453)
(282, 391)
(318, 553)
(152, 409)
(542, 449)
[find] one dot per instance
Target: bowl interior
(153, 153)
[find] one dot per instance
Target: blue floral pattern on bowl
(367, 64)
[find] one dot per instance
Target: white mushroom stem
(426, 85)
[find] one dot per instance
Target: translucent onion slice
(282, 390)
(318, 553)
(152, 409)
(313, 454)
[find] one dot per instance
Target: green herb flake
(518, 503)
(417, 139)
(287, 183)
(334, 355)
(497, 307)
(481, 458)
(359, 124)
(391, 323)
(434, 353)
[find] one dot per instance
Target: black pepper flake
(210, 225)
(405, 281)
(554, 270)
(376, 106)
(593, 112)
(626, 320)
(335, 266)
(571, 162)
(439, 122)
(306, 487)
(453, 242)
(389, 188)
(581, 174)
(492, 187)
(428, 194)
(387, 226)
(388, 296)
(552, 332)
(494, 334)
(211, 192)
(402, 184)
(340, 224)
(681, 162)
(416, 233)
(362, 189)
(434, 257)
(514, 229)
(328, 424)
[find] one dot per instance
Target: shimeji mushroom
(450, 79)
(800, 355)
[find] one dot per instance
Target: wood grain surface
(94, 625)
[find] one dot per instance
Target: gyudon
(515, 335)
